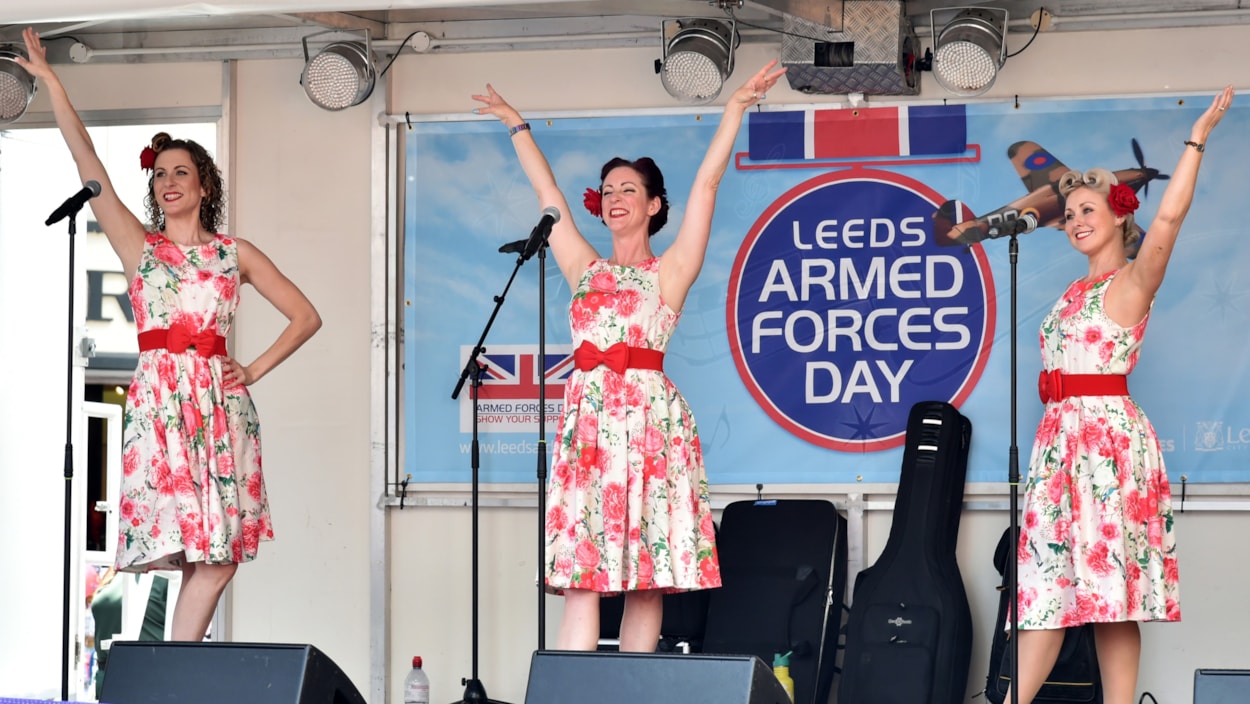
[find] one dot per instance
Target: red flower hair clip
(1122, 200)
(593, 200)
(147, 159)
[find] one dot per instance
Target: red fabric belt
(1054, 385)
(618, 357)
(179, 338)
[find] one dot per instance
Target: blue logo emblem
(843, 312)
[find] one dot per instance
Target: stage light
(969, 49)
(17, 86)
(340, 75)
(698, 57)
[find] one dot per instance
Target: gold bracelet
(1199, 146)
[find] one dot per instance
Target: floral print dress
(1096, 542)
(192, 488)
(628, 497)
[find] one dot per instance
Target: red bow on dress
(587, 356)
(1050, 385)
(180, 337)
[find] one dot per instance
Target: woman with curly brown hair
(1096, 542)
(192, 496)
(213, 205)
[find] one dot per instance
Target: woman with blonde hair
(1096, 542)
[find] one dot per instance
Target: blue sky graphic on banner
(827, 305)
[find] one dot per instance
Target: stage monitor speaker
(1221, 686)
(559, 677)
(145, 672)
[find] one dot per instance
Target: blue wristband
(519, 128)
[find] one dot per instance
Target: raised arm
(1145, 274)
(124, 231)
(682, 261)
(572, 252)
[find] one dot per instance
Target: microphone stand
(1013, 482)
(1026, 223)
(536, 243)
(1012, 229)
(542, 442)
(67, 548)
(474, 691)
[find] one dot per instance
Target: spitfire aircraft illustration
(1040, 207)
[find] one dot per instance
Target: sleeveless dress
(192, 488)
(1096, 541)
(628, 501)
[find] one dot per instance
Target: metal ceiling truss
(566, 25)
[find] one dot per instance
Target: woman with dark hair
(628, 498)
(1096, 542)
(192, 495)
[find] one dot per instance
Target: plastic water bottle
(416, 684)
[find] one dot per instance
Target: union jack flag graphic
(839, 133)
(508, 397)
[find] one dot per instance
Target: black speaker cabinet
(558, 677)
(1221, 686)
(144, 672)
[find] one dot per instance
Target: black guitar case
(783, 569)
(909, 632)
(1075, 679)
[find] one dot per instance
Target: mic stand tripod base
(475, 692)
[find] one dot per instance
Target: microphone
(538, 236)
(74, 203)
(1021, 224)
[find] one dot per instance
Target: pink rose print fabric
(192, 488)
(628, 501)
(1096, 540)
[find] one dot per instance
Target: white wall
(300, 188)
(301, 193)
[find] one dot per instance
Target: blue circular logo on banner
(843, 312)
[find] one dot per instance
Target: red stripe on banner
(855, 132)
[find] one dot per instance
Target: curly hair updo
(1100, 181)
(652, 183)
(213, 207)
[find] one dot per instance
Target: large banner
(858, 265)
